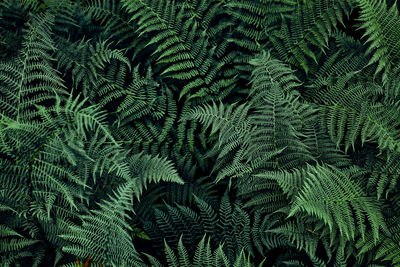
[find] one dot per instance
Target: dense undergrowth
(199, 133)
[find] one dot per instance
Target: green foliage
(199, 133)
(381, 25)
(305, 30)
(203, 256)
(226, 223)
(102, 229)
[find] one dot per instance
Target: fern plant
(204, 255)
(256, 138)
(379, 23)
(304, 33)
(224, 222)
(221, 133)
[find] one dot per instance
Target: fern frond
(307, 30)
(103, 227)
(329, 194)
(30, 79)
(204, 256)
(183, 51)
(382, 28)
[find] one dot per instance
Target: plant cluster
(199, 133)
